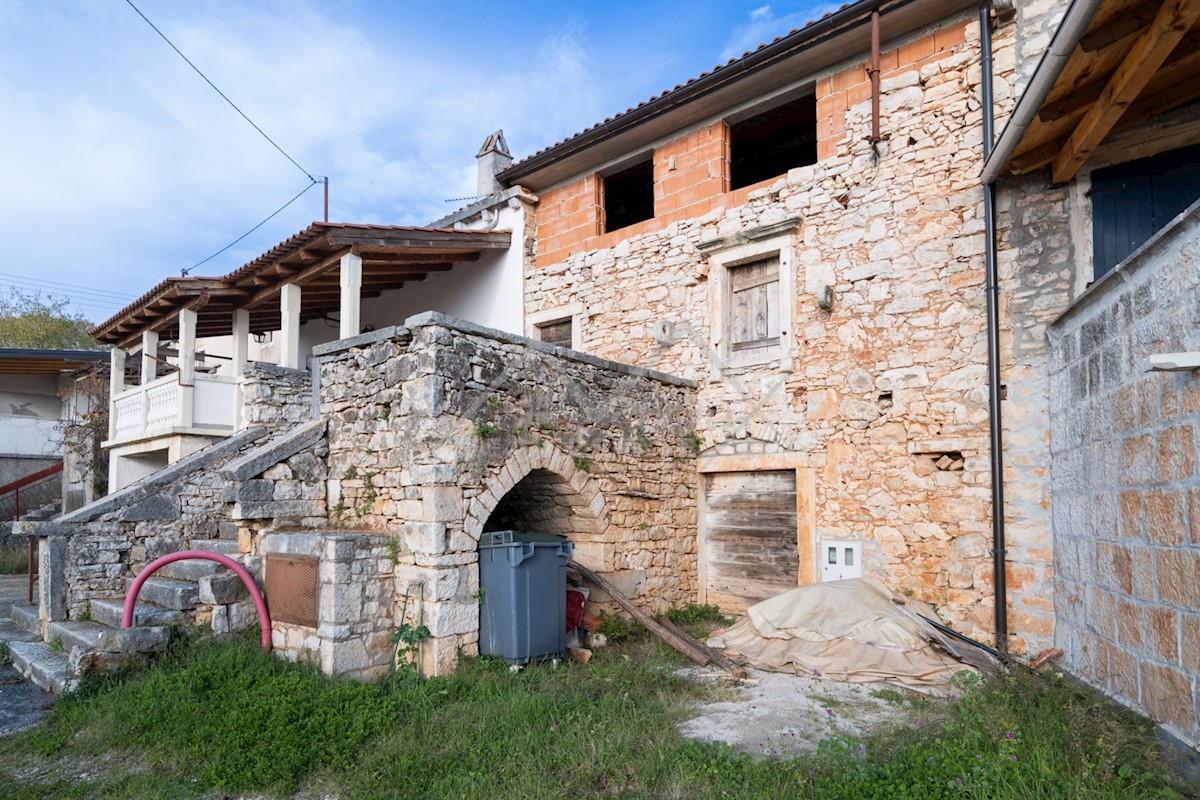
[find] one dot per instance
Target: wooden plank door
(750, 537)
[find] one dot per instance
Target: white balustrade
(157, 408)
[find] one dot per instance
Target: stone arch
(541, 487)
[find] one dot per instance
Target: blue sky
(122, 167)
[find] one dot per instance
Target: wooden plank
(696, 652)
(1131, 20)
(272, 290)
(1170, 25)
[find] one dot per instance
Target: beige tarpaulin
(847, 630)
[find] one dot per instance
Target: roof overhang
(805, 52)
(38, 361)
(391, 256)
(1112, 65)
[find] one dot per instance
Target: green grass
(14, 555)
(211, 719)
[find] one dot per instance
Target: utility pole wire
(218, 91)
(185, 272)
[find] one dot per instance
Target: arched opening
(545, 503)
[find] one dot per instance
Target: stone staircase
(72, 648)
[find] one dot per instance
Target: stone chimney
(492, 159)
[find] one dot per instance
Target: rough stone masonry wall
(1126, 484)
(435, 426)
(891, 380)
(94, 552)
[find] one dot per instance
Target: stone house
(776, 329)
(801, 232)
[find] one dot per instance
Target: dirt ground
(783, 715)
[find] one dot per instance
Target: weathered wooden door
(750, 541)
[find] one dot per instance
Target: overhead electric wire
(218, 91)
(252, 230)
(55, 287)
(312, 180)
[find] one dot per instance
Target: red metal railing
(38, 492)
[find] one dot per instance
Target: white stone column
(116, 385)
(149, 372)
(149, 356)
(350, 272)
(241, 354)
(187, 366)
(289, 326)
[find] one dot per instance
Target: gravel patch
(788, 715)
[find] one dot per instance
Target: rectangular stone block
(1167, 696)
(441, 503)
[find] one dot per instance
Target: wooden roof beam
(308, 273)
(165, 321)
(1174, 19)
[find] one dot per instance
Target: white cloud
(763, 26)
(122, 166)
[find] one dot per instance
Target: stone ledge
(491, 201)
(276, 370)
(278, 449)
(437, 318)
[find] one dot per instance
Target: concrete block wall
(1126, 482)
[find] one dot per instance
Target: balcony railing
(164, 406)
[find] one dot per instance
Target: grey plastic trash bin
(523, 607)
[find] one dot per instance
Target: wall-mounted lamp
(260, 338)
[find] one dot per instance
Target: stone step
(11, 631)
(26, 616)
(228, 547)
(170, 593)
(75, 633)
(193, 569)
(108, 612)
(48, 668)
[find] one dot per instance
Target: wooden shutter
(1133, 201)
(754, 304)
(557, 333)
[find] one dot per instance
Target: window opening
(754, 304)
(558, 332)
(1133, 201)
(768, 145)
(629, 196)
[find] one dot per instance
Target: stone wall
(275, 396)
(355, 604)
(441, 429)
(883, 395)
(1125, 481)
(94, 552)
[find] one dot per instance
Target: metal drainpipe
(873, 71)
(993, 336)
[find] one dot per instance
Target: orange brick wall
(692, 169)
(567, 217)
(839, 93)
(570, 217)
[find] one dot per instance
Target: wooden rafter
(1170, 25)
(307, 274)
